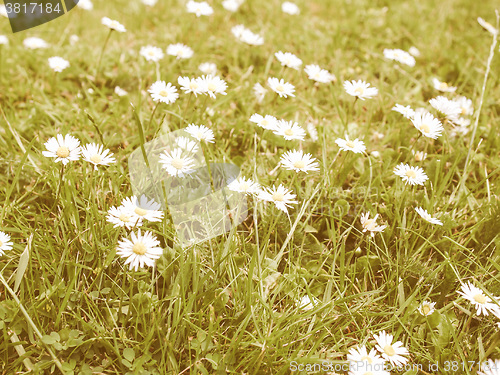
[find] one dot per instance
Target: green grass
(228, 305)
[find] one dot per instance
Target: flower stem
(153, 114)
(102, 53)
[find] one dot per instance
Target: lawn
(365, 230)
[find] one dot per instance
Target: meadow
(366, 133)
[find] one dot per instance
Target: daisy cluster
(387, 354)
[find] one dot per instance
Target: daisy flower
(232, 5)
(208, 68)
(356, 146)
(360, 89)
(266, 122)
(142, 208)
(360, 354)
(414, 51)
(190, 85)
(247, 36)
(427, 124)
(425, 215)
(442, 86)
(311, 129)
(186, 144)
(176, 164)
(306, 303)
(5, 243)
(411, 175)
(394, 353)
(371, 225)
(3, 40)
(426, 308)
(63, 148)
(180, 51)
(58, 64)
(466, 107)
(113, 25)
(141, 250)
(96, 155)
(200, 132)
(152, 53)
(259, 92)
(119, 217)
(163, 92)
(280, 196)
(212, 85)
(35, 43)
(490, 367)
(85, 4)
(288, 59)
(317, 74)
(282, 88)
(290, 8)
(289, 130)
(481, 301)
(449, 108)
(199, 8)
(399, 56)
(407, 111)
(120, 92)
(296, 160)
(419, 155)
(246, 186)
(73, 39)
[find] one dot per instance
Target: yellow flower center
(350, 144)
(464, 111)
(410, 174)
(264, 123)
(368, 373)
(389, 350)
(62, 152)
(289, 132)
(96, 158)
(299, 164)
(124, 218)
(359, 91)
(244, 187)
(1, 243)
(443, 86)
(211, 86)
(278, 197)
(425, 128)
(426, 309)
(480, 298)
(177, 163)
(163, 93)
(280, 88)
(139, 248)
(151, 53)
(193, 85)
(367, 359)
(140, 211)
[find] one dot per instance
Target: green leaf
(49, 340)
(129, 354)
(23, 263)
